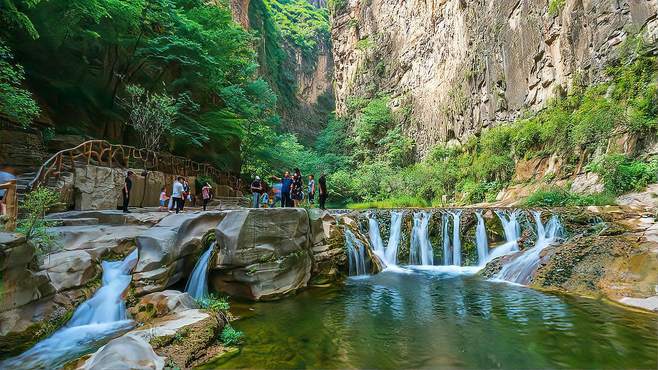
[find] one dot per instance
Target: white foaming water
(456, 241)
(512, 229)
(375, 236)
(421, 252)
(481, 240)
(356, 255)
(447, 255)
(391, 254)
(520, 269)
(100, 318)
(197, 284)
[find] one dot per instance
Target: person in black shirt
(323, 190)
(128, 184)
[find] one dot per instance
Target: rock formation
(466, 65)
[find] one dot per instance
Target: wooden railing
(10, 201)
(103, 153)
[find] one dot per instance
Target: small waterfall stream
(447, 255)
(520, 269)
(391, 254)
(197, 284)
(512, 229)
(356, 254)
(375, 237)
(421, 252)
(481, 241)
(98, 319)
(456, 240)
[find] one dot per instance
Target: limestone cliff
(463, 65)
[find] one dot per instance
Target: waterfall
(456, 241)
(512, 230)
(447, 255)
(391, 254)
(356, 254)
(481, 239)
(520, 269)
(375, 237)
(197, 284)
(101, 317)
(421, 252)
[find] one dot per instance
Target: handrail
(10, 200)
(106, 154)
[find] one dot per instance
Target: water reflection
(443, 319)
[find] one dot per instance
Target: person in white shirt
(177, 194)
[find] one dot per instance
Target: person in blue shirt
(286, 184)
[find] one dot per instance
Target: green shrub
(621, 174)
(214, 303)
(34, 225)
(230, 336)
(555, 6)
(560, 197)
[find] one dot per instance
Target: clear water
(436, 319)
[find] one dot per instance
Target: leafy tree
(152, 115)
(15, 102)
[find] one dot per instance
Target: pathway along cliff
(387, 289)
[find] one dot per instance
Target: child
(265, 200)
(163, 199)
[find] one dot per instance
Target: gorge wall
(464, 65)
(302, 79)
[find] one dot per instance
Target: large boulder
(328, 250)
(168, 250)
(97, 187)
(70, 269)
(126, 352)
(263, 253)
(160, 304)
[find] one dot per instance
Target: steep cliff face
(302, 80)
(464, 65)
(314, 95)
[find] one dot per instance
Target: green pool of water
(437, 319)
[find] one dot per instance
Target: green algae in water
(440, 320)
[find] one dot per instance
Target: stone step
(320, 248)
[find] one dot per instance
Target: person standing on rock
(323, 190)
(286, 184)
(256, 190)
(206, 194)
(177, 194)
(297, 190)
(186, 194)
(311, 189)
(127, 186)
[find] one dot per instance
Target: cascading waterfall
(481, 241)
(197, 285)
(96, 320)
(421, 252)
(447, 255)
(456, 240)
(520, 269)
(512, 229)
(376, 237)
(356, 254)
(391, 254)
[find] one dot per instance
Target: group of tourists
(180, 193)
(290, 191)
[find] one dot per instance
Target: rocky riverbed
(269, 254)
